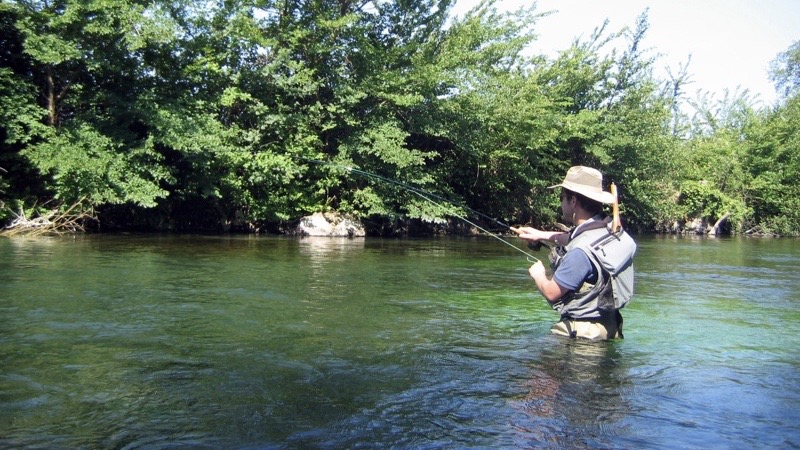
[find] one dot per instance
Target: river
(158, 341)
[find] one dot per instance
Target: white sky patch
(731, 42)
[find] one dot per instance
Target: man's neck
(582, 218)
(582, 222)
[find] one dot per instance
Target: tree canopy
(244, 114)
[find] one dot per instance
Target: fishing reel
(535, 246)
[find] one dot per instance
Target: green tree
(714, 175)
(612, 115)
(773, 165)
(21, 119)
(244, 114)
(784, 71)
(482, 118)
(80, 60)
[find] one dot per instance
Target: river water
(143, 341)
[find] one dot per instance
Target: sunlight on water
(229, 342)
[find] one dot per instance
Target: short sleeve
(575, 268)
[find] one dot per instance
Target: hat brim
(598, 196)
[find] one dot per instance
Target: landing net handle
(616, 222)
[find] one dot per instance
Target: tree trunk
(715, 229)
(52, 111)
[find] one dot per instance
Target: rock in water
(329, 224)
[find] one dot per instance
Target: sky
(731, 42)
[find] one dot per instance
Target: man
(582, 289)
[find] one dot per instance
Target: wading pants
(600, 329)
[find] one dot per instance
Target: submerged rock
(329, 224)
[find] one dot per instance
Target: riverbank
(78, 220)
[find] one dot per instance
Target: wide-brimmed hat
(587, 182)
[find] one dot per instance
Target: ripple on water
(278, 343)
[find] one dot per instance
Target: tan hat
(587, 182)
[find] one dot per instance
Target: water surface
(131, 341)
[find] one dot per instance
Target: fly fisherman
(592, 263)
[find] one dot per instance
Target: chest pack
(611, 254)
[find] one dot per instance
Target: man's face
(567, 207)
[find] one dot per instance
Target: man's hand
(529, 234)
(550, 289)
(533, 235)
(537, 271)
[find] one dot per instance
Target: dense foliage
(245, 114)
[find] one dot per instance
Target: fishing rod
(429, 196)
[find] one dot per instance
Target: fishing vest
(611, 254)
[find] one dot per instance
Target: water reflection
(575, 385)
(26, 252)
(321, 249)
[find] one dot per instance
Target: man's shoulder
(586, 237)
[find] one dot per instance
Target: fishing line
(426, 195)
(530, 257)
